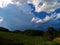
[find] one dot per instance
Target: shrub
(32, 32)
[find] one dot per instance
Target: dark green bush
(32, 32)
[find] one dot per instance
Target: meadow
(14, 38)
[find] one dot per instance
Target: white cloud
(1, 19)
(48, 5)
(57, 16)
(4, 3)
(19, 2)
(37, 20)
(47, 18)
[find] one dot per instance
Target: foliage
(29, 37)
(17, 31)
(4, 29)
(31, 32)
(52, 32)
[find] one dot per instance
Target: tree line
(50, 32)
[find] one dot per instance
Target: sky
(29, 14)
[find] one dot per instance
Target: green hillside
(8, 38)
(29, 37)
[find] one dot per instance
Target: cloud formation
(47, 18)
(17, 15)
(4, 3)
(19, 12)
(47, 5)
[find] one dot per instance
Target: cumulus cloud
(20, 13)
(38, 20)
(53, 17)
(40, 5)
(47, 5)
(57, 16)
(4, 3)
(47, 18)
(49, 21)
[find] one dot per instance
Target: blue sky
(26, 14)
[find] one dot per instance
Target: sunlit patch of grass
(57, 39)
(50, 43)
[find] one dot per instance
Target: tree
(4, 29)
(33, 32)
(52, 32)
(17, 31)
(58, 32)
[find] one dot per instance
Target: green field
(8, 38)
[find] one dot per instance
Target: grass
(50, 43)
(7, 38)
